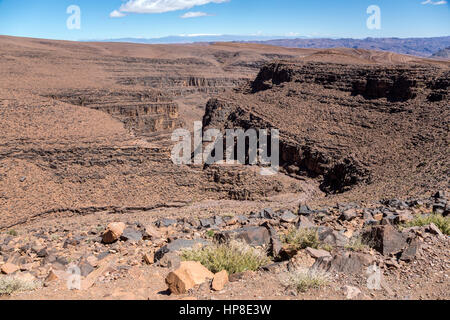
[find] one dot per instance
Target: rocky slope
(382, 128)
(85, 142)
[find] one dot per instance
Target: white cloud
(192, 14)
(435, 3)
(160, 6)
(116, 14)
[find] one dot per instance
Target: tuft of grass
(302, 280)
(234, 257)
(12, 284)
(356, 244)
(13, 233)
(326, 247)
(210, 233)
(302, 238)
(443, 223)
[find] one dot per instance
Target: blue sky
(159, 18)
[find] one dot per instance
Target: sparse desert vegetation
(14, 284)
(233, 257)
(304, 279)
(443, 223)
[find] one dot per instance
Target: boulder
(345, 262)
(113, 232)
(252, 235)
(433, 229)
(275, 240)
(410, 252)
(332, 237)
(164, 223)
(268, 213)
(9, 268)
(304, 210)
(220, 280)
(385, 239)
(149, 258)
(130, 234)
(304, 223)
(317, 253)
(170, 260)
(349, 214)
(288, 217)
(178, 245)
(150, 233)
(187, 276)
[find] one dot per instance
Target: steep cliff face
(395, 83)
(348, 125)
(142, 111)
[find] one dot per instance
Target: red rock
(187, 276)
(220, 280)
(149, 258)
(9, 268)
(113, 232)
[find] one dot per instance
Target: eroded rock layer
(381, 127)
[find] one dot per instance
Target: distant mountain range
(444, 53)
(422, 47)
(193, 38)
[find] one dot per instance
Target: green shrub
(443, 223)
(302, 238)
(13, 233)
(234, 257)
(10, 284)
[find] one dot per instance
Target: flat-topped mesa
(143, 112)
(396, 83)
(374, 125)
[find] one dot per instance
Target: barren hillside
(86, 176)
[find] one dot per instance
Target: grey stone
(268, 213)
(317, 253)
(252, 235)
(206, 223)
(433, 229)
(165, 223)
(130, 234)
(178, 245)
(332, 237)
(304, 210)
(170, 260)
(346, 262)
(275, 241)
(304, 223)
(385, 239)
(411, 250)
(288, 217)
(349, 215)
(85, 268)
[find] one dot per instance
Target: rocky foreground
(349, 244)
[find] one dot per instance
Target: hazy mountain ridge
(422, 47)
(444, 53)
